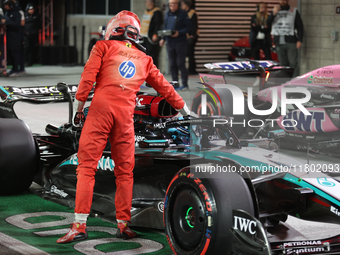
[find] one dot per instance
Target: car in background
(241, 50)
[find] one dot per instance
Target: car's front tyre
(198, 212)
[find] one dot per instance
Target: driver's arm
(91, 69)
(157, 80)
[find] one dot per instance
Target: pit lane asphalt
(37, 116)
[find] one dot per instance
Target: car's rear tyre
(19, 158)
(198, 211)
(215, 108)
(212, 107)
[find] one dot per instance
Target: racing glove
(78, 114)
(186, 112)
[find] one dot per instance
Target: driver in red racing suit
(119, 68)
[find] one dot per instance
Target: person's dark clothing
(13, 29)
(177, 46)
(32, 26)
(14, 36)
(152, 48)
(178, 21)
(257, 44)
(192, 40)
(297, 24)
(22, 28)
(155, 23)
(177, 53)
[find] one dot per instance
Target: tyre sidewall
(218, 237)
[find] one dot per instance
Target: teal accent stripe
(291, 178)
(155, 141)
(5, 91)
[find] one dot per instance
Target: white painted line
(19, 246)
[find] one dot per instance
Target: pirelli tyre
(19, 157)
(219, 101)
(198, 212)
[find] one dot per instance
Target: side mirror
(63, 88)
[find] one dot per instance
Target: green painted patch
(117, 247)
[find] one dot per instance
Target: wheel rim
(188, 219)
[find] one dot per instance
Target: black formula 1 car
(319, 131)
(210, 191)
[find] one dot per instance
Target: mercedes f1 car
(210, 191)
(318, 131)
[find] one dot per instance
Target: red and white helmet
(124, 20)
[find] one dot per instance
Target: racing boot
(77, 232)
(124, 231)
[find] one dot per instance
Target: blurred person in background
(22, 23)
(192, 36)
(260, 37)
(12, 20)
(152, 21)
(287, 29)
(32, 26)
(177, 21)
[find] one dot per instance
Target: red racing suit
(119, 69)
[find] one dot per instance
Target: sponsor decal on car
(245, 225)
(105, 163)
(57, 191)
(160, 207)
(138, 101)
(6, 109)
(335, 115)
(325, 71)
(302, 243)
(325, 182)
(335, 210)
(305, 250)
(139, 138)
(297, 121)
(306, 247)
(244, 65)
(214, 79)
(320, 80)
(159, 125)
(42, 90)
(327, 96)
